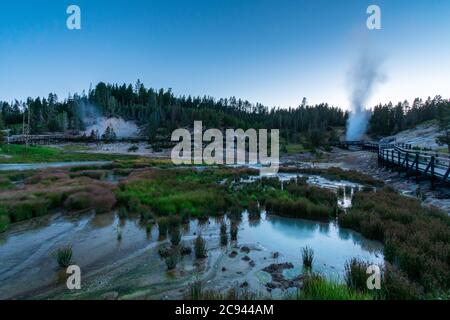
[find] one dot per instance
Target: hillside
(422, 136)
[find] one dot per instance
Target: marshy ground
(132, 226)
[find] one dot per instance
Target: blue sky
(269, 51)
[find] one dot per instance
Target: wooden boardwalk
(419, 163)
(431, 165)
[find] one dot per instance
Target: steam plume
(363, 78)
(93, 120)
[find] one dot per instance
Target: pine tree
(444, 125)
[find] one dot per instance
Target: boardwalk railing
(366, 145)
(433, 165)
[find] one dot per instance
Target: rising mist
(363, 78)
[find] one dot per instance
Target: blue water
(333, 246)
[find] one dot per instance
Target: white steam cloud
(93, 120)
(363, 78)
(122, 128)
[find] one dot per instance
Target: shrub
(164, 252)
(78, 201)
(416, 239)
(355, 275)
(235, 213)
(103, 199)
(307, 257)
(395, 285)
(174, 221)
(200, 247)
(253, 210)
(163, 227)
(175, 236)
(233, 231)
(27, 209)
(64, 256)
(185, 251)
(171, 261)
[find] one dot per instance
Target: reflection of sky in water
(332, 246)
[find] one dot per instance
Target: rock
(278, 279)
(275, 255)
(233, 254)
(245, 249)
(224, 269)
(244, 284)
(278, 267)
(252, 263)
(186, 251)
(164, 252)
(246, 258)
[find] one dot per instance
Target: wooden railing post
(417, 166)
(407, 160)
(432, 172)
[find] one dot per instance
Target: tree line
(159, 112)
(388, 119)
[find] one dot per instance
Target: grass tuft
(307, 257)
(64, 256)
(200, 247)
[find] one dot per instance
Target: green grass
(200, 247)
(307, 257)
(198, 292)
(315, 287)
(30, 154)
(180, 191)
(64, 256)
(293, 148)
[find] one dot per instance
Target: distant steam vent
(94, 121)
(363, 79)
(122, 128)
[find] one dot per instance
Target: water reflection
(332, 246)
(344, 189)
